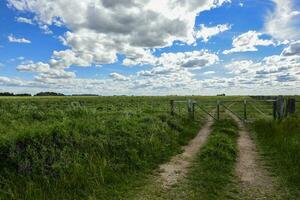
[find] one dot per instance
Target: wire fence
(247, 110)
(199, 108)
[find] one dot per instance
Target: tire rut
(254, 180)
(177, 167)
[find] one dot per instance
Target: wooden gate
(247, 110)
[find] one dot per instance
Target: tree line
(27, 94)
(3, 94)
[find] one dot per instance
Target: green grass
(279, 141)
(50, 149)
(213, 168)
(210, 175)
(104, 147)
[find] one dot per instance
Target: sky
(150, 47)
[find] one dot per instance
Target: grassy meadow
(279, 142)
(213, 170)
(101, 147)
(80, 148)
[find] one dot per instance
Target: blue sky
(150, 48)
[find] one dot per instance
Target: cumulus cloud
(12, 38)
(179, 64)
(292, 49)
(240, 67)
(101, 29)
(45, 71)
(118, 77)
(174, 70)
(284, 22)
(272, 70)
(259, 77)
(24, 20)
(12, 82)
(248, 42)
(194, 59)
(205, 33)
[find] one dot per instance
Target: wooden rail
(281, 106)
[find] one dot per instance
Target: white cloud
(119, 77)
(292, 49)
(284, 22)
(101, 29)
(248, 42)
(45, 29)
(45, 71)
(240, 67)
(168, 71)
(194, 59)
(13, 39)
(271, 70)
(174, 70)
(205, 33)
(24, 20)
(12, 82)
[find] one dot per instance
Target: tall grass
(213, 169)
(74, 153)
(280, 142)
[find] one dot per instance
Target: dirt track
(254, 180)
(177, 167)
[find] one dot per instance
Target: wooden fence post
(281, 107)
(172, 103)
(190, 107)
(275, 109)
(218, 110)
(193, 110)
(291, 106)
(245, 110)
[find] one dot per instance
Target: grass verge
(210, 174)
(279, 141)
(84, 155)
(213, 169)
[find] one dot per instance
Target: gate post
(281, 107)
(190, 107)
(193, 109)
(218, 110)
(291, 105)
(275, 109)
(245, 109)
(172, 103)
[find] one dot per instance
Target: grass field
(212, 171)
(100, 147)
(210, 174)
(79, 148)
(280, 144)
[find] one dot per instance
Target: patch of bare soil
(254, 179)
(177, 167)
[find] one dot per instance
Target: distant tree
(23, 95)
(49, 94)
(84, 95)
(6, 94)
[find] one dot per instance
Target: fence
(246, 109)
